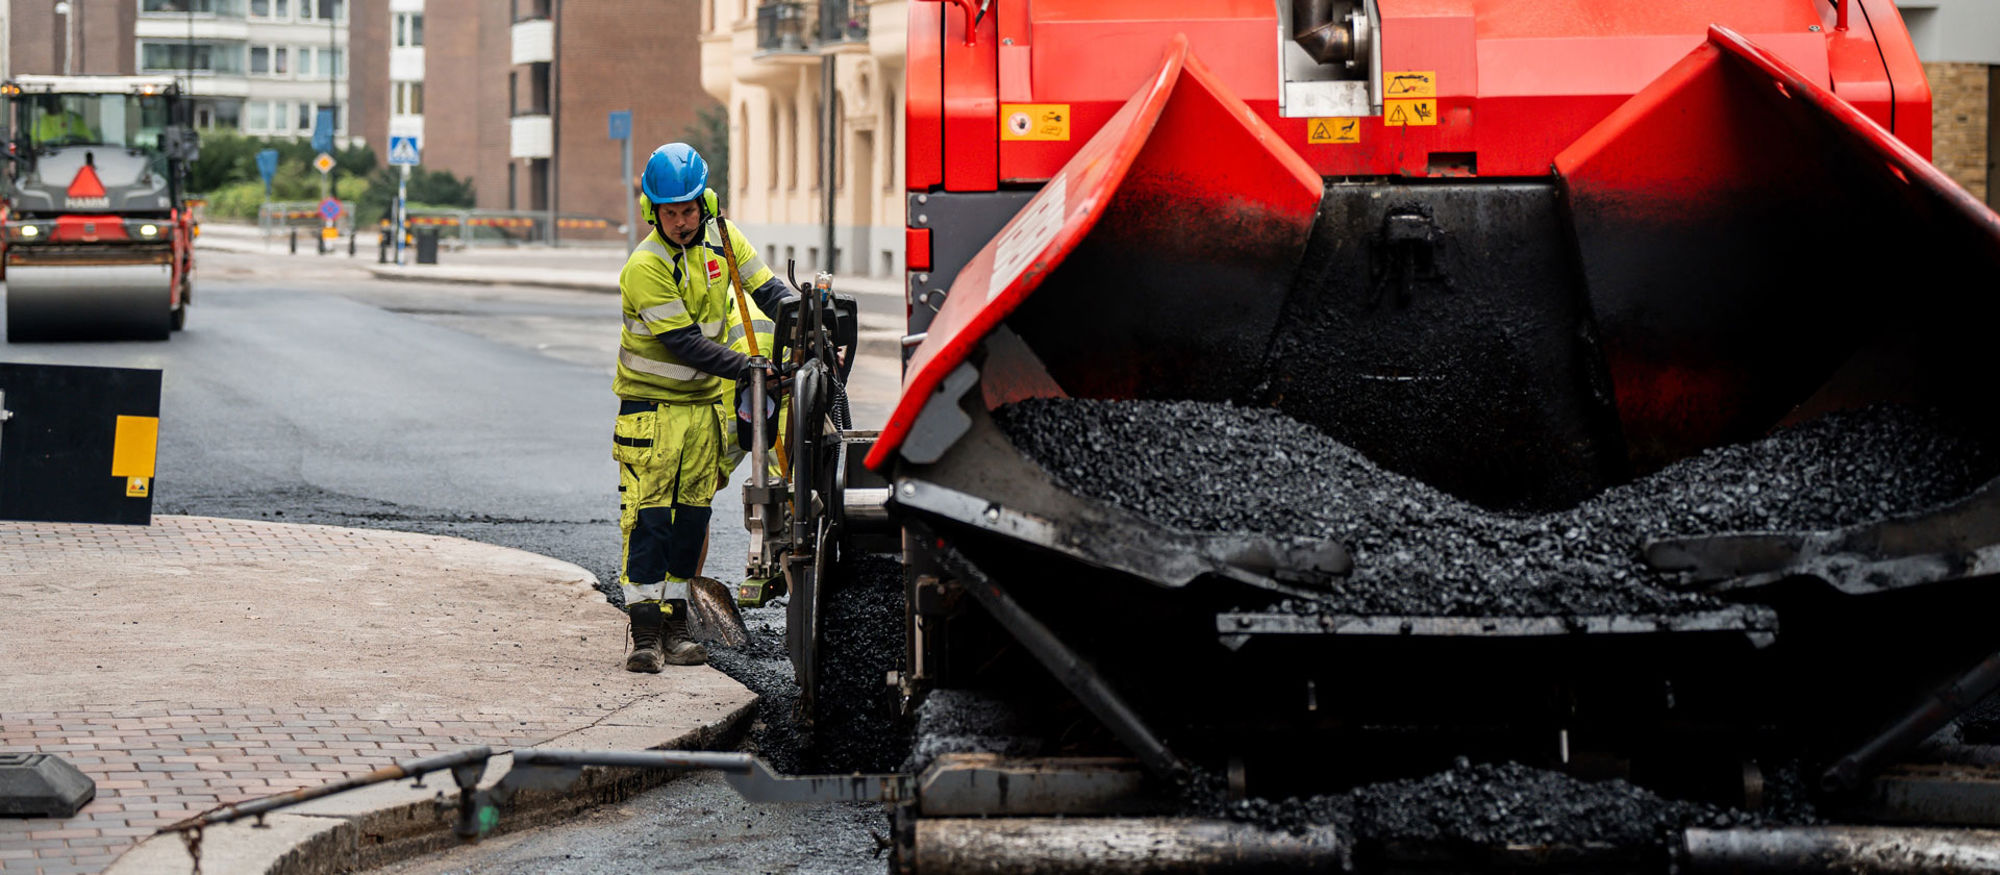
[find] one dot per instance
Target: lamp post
(67, 10)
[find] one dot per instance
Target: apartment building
(516, 95)
(763, 60)
(262, 67)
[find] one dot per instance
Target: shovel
(712, 615)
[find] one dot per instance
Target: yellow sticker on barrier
(133, 443)
(1333, 130)
(330, 233)
(1034, 121)
(1411, 113)
(1409, 84)
(137, 487)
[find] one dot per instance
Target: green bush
(237, 200)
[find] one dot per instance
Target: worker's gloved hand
(774, 387)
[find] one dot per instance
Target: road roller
(98, 241)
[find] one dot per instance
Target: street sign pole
(403, 155)
(631, 203)
(619, 125)
(402, 214)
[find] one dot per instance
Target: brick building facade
(1962, 123)
(515, 95)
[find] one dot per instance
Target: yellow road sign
(1333, 130)
(324, 163)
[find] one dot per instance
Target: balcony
(843, 23)
(784, 28)
(534, 41)
(530, 136)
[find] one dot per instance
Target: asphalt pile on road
(970, 721)
(861, 641)
(1481, 806)
(1213, 467)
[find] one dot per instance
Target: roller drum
(89, 302)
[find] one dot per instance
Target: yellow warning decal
(136, 487)
(1408, 84)
(1410, 112)
(330, 233)
(1333, 130)
(133, 445)
(1034, 121)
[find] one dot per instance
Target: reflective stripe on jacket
(666, 288)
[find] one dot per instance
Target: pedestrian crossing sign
(403, 151)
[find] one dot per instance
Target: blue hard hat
(675, 173)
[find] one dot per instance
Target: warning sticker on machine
(1034, 121)
(1410, 112)
(1404, 84)
(1333, 130)
(136, 487)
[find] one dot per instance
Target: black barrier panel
(77, 443)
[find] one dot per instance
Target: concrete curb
(395, 821)
(447, 275)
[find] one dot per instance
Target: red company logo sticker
(714, 270)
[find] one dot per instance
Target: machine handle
(973, 16)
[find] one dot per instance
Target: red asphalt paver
(158, 760)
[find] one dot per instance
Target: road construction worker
(674, 365)
(58, 125)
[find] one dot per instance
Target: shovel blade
(713, 618)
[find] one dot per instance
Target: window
(409, 98)
(279, 67)
(260, 60)
(229, 8)
(409, 29)
(281, 9)
(323, 10)
(305, 116)
(329, 63)
(228, 113)
(259, 116)
(260, 8)
(199, 57)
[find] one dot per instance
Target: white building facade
(763, 62)
(262, 67)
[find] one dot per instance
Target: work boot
(681, 650)
(647, 655)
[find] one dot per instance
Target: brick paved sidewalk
(236, 659)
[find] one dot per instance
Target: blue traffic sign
(329, 209)
(267, 166)
(403, 152)
(621, 125)
(323, 131)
